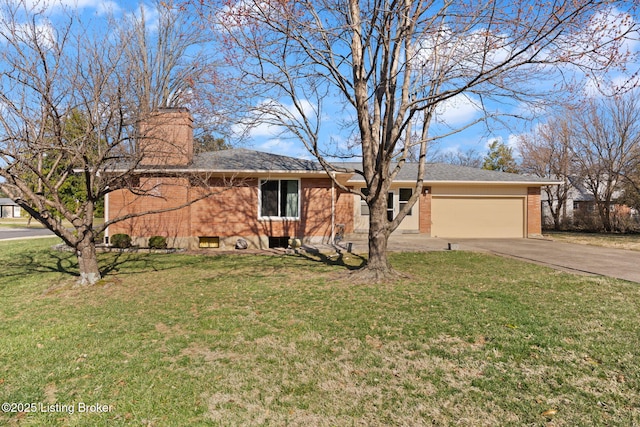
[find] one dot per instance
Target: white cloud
(43, 32)
(283, 147)
(270, 118)
(458, 110)
(51, 5)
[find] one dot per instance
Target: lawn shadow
(128, 263)
(335, 259)
(22, 264)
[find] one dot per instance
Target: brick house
(267, 198)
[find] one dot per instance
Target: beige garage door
(477, 217)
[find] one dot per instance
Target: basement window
(278, 242)
(209, 242)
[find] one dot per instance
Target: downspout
(106, 217)
(333, 208)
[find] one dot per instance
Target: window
(280, 198)
(364, 208)
(405, 195)
(209, 242)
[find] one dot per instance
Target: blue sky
(459, 111)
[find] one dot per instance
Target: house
(267, 198)
(580, 208)
(9, 208)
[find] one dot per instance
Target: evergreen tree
(500, 158)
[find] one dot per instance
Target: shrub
(121, 241)
(157, 242)
(99, 238)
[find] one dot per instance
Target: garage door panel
(487, 217)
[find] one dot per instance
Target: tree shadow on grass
(336, 259)
(41, 263)
(38, 263)
(27, 264)
(129, 263)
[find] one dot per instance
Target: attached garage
(478, 216)
(461, 202)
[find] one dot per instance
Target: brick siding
(230, 210)
(534, 213)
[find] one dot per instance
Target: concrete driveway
(576, 258)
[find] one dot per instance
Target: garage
(478, 216)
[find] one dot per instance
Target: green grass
(24, 222)
(19, 223)
(608, 240)
(172, 340)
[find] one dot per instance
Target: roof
(241, 159)
(7, 202)
(447, 173)
(237, 160)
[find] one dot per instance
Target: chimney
(166, 138)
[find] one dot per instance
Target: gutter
(333, 208)
(451, 182)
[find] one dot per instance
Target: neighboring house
(9, 208)
(267, 198)
(581, 206)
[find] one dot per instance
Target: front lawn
(607, 240)
(187, 340)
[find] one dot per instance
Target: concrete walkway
(397, 243)
(571, 257)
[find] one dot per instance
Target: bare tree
(546, 152)
(607, 147)
(67, 114)
(392, 64)
(470, 158)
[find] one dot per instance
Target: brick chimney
(166, 138)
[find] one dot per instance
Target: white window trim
(279, 218)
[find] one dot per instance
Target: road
(23, 233)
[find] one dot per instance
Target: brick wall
(229, 212)
(424, 206)
(534, 214)
(344, 210)
(163, 193)
(166, 138)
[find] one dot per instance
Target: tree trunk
(556, 220)
(604, 209)
(378, 238)
(87, 262)
(377, 269)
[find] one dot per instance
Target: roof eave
(460, 182)
(218, 171)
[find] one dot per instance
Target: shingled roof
(240, 159)
(442, 172)
(244, 160)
